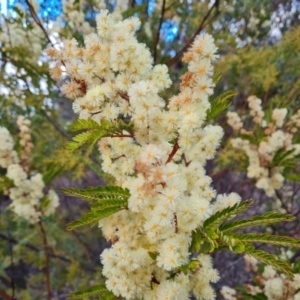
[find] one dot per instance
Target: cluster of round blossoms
(269, 283)
(16, 36)
(276, 135)
(27, 191)
(160, 161)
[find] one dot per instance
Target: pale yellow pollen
(202, 208)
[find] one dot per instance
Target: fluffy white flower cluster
(16, 35)
(161, 161)
(8, 155)
(27, 192)
(294, 122)
(25, 142)
(256, 110)
(119, 6)
(228, 293)
(74, 15)
(277, 136)
(234, 121)
(279, 286)
(75, 12)
(273, 285)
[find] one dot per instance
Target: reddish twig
(154, 280)
(173, 60)
(124, 96)
(174, 150)
(185, 161)
(163, 9)
(47, 268)
(116, 158)
(121, 135)
(5, 296)
(37, 21)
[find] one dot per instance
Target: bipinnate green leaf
(81, 124)
(214, 235)
(277, 240)
(222, 215)
(100, 290)
(219, 104)
(92, 217)
(94, 131)
(81, 139)
(281, 156)
(238, 248)
(270, 260)
(109, 203)
(268, 218)
(96, 194)
(105, 201)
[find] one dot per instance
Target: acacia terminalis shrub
(160, 217)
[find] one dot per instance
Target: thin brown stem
(154, 280)
(38, 21)
(121, 135)
(173, 60)
(12, 269)
(185, 161)
(295, 256)
(174, 150)
(118, 157)
(56, 126)
(279, 196)
(95, 113)
(47, 268)
(163, 9)
(32, 247)
(124, 96)
(8, 32)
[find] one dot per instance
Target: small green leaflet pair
(217, 233)
(99, 290)
(93, 131)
